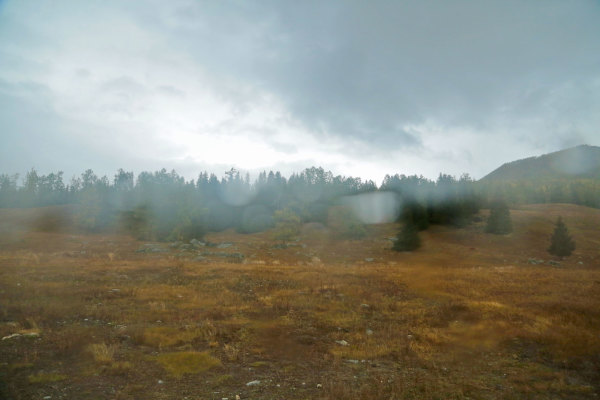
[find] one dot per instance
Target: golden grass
(164, 336)
(466, 316)
(102, 353)
(43, 378)
(187, 362)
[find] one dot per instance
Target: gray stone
(533, 261)
(253, 383)
(151, 248)
(554, 263)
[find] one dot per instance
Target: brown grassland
(466, 316)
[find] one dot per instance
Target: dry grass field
(468, 316)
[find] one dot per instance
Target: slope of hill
(577, 162)
(468, 315)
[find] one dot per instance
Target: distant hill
(577, 162)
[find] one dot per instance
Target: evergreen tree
(561, 243)
(499, 221)
(408, 237)
(416, 212)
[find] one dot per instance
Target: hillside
(577, 162)
(469, 315)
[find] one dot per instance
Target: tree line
(163, 205)
(581, 191)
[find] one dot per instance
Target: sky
(360, 88)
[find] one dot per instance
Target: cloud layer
(361, 88)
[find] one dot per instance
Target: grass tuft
(102, 353)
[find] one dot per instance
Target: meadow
(469, 315)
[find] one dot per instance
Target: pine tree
(561, 243)
(408, 237)
(499, 221)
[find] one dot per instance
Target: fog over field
(362, 89)
(290, 199)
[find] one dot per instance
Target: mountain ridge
(581, 161)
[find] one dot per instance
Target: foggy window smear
(300, 200)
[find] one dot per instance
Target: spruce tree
(561, 243)
(415, 211)
(408, 237)
(499, 221)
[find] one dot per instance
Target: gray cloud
(365, 70)
(462, 84)
(170, 91)
(124, 85)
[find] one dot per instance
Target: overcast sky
(363, 88)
